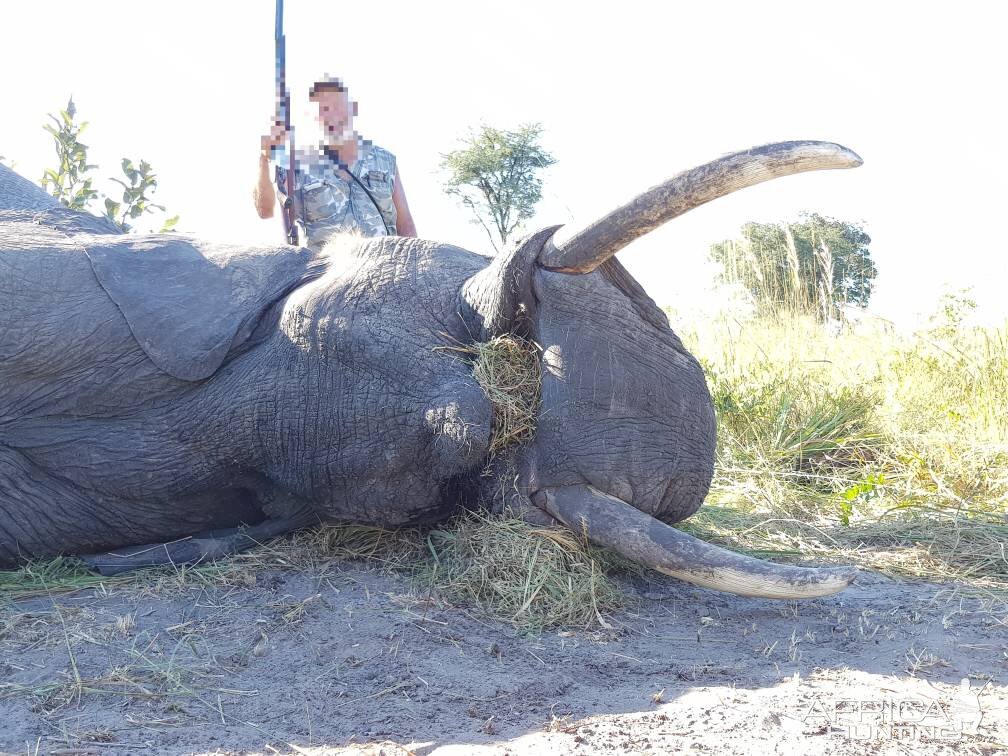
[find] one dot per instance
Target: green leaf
(169, 224)
(131, 172)
(846, 510)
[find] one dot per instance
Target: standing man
(343, 184)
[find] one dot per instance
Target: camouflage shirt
(326, 204)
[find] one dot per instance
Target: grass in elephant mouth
(508, 370)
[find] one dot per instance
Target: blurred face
(335, 115)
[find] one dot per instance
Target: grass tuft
(532, 576)
(313, 548)
(40, 577)
(508, 370)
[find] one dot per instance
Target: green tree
(69, 182)
(135, 201)
(955, 306)
(72, 186)
(816, 265)
(496, 175)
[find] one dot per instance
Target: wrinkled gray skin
(157, 386)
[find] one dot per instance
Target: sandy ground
(353, 661)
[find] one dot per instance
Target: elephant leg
(196, 549)
(42, 515)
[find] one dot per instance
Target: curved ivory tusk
(593, 245)
(613, 523)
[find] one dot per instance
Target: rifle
(283, 112)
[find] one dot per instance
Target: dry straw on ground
(531, 576)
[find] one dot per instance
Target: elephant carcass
(156, 387)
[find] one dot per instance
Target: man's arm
(263, 194)
(404, 220)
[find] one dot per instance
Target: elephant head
(626, 435)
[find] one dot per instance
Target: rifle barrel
(283, 105)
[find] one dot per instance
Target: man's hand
(276, 137)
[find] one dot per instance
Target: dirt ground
(354, 661)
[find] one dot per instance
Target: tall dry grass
(775, 278)
(859, 443)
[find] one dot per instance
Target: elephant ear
(190, 303)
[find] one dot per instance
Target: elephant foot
(195, 549)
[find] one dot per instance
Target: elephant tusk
(588, 248)
(613, 523)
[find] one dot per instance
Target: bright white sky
(628, 93)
